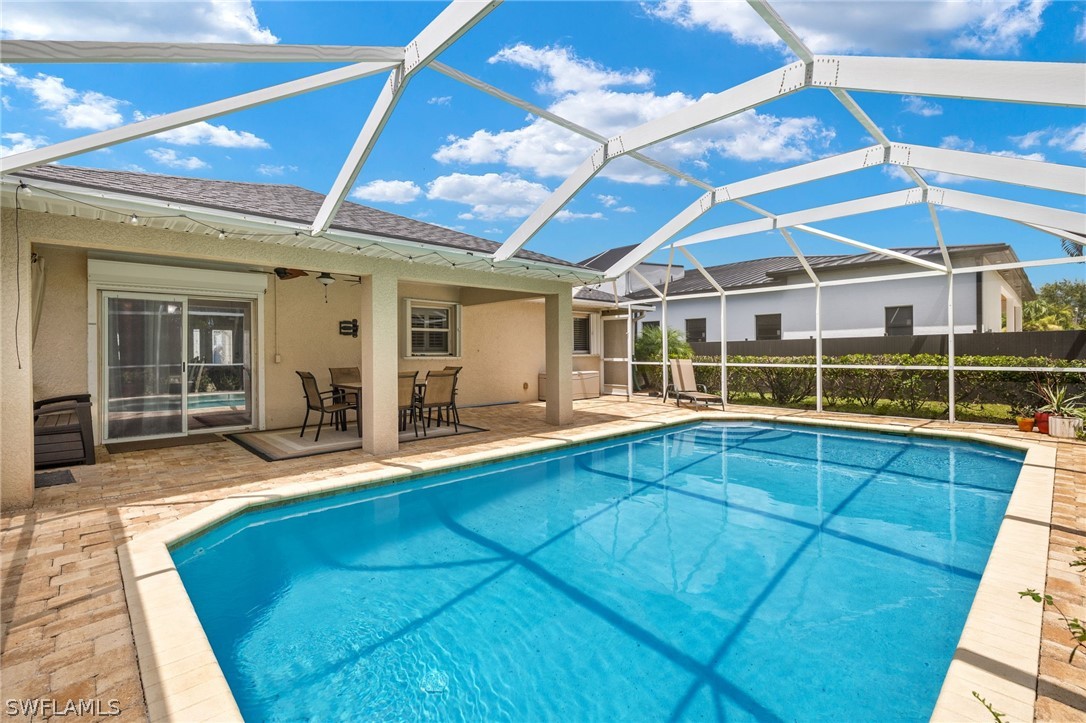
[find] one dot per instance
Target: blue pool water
(731, 571)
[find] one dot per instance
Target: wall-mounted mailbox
(349, 328)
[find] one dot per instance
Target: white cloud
(196, 21)
(749, 136)
(387, 191)
(625, 209)
(567, 73)
(491, 195)
(1023, 156)
(565, 216)
(1003, 29)
(19, 142)
(168, 157)
(203, 133)
(267, 169)
(1070, 140)
(1029, 140)
(94, 110)
(892, 28)
(70, 108)
(897, 173)
(1080, 31)
(440, 100)
(606, 200)
(919, 106)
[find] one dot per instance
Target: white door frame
(108, 276)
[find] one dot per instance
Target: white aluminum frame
(1062, 84)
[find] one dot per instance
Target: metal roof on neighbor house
(775, 270)
(270, 200)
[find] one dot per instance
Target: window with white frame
(582, 335)
(432, 328)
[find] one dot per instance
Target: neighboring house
(987, 301)
(186, 305)
(630, 281)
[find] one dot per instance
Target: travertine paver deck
(67, 632)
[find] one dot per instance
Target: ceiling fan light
(325, 278)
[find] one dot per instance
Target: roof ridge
(125, 171)
(282, 201)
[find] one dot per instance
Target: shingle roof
(773, 271)
(586, 293)
(606, 259)
(271, 200)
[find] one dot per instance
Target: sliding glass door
(144, 351)
(220, 391)
(175, 365)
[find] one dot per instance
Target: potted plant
(1024, 415)
(1065, 419)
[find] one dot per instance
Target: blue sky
(454, 156)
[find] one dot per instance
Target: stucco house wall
(854, 310)
(297, 324)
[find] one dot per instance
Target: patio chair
(318, 401)
(439, 395)
(63, 434)
(344, 375)
(407, 399)
(456, 412)
(684, 386)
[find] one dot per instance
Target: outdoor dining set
(431, 400)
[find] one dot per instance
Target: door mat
(278, 444)
(53, 478)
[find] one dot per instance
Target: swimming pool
(737, 570)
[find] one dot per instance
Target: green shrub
(909, 392)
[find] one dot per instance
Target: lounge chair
(63, 434)
(439, 394)
(318, 401)
(684, 385)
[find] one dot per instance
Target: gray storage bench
(63, 434)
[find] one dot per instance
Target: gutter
(252, 224)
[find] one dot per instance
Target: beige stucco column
(559, 321)
(379, 331)
(16, 380)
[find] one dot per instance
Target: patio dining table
(354, 388)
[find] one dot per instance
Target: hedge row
(910, 389)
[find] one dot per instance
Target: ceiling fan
(285, 274)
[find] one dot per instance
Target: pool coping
(996, 656)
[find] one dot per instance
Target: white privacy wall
(855, 310)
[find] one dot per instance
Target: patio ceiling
(1058, 84)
